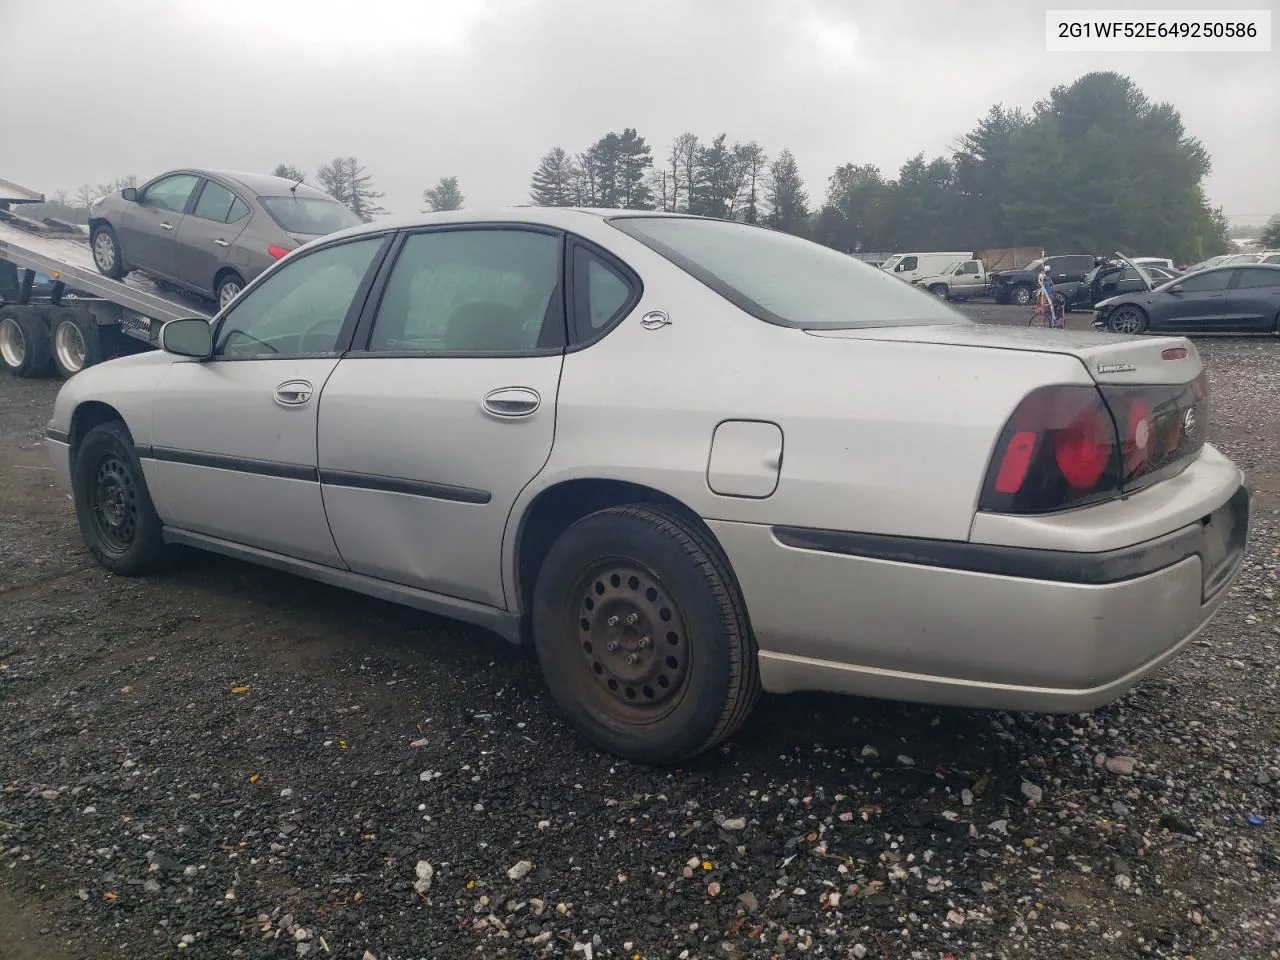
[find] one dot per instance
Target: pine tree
(289, 172)
(445, 195)
(554, 182)
(345, 180)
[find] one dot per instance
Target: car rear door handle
(222, 243)
(511, 402)
(293, 393)
(166, 225)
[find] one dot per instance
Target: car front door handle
(293, 393)
(511, 402)
(166, 225)
(222, 243)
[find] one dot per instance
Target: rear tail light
(277, 252)
(1067, 446)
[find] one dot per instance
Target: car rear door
(216, 219)
(445, 408)
(234, 437)
(149, 226)
(1254, 300)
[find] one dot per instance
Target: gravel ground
(229, 762)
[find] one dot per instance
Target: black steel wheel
(117, 518)
(642, 635)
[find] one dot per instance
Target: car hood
(1109, 358)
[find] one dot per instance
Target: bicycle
(1042, 315)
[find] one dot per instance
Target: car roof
(258, 184)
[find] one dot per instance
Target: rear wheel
(1127, 319)
(25, 347)
(642, 635)
(107, 255)
(113, 507)
(75, 342)
(229, 286)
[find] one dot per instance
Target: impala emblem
(1116, 368)
(655, 320)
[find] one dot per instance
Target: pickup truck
(959, 281)
(1019, 286)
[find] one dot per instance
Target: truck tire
(939, 290)
(108, 256)
(1020, 295)
(25, 345)
(642, 635)
(76, 344)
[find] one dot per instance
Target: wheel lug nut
(632, 617)
(643, 642)
(631, 659)
(613, 646)
(613, 621)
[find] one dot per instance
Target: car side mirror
(1176, 288)
(189, 337)
(130, 194)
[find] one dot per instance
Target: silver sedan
(687, 460)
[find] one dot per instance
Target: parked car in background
(1235, 258)
(1233, 298)
(431, 415)
(1112, 278)
(1206, 264)
(1019, 286)
(959, 281)
(1271, 256)
(1163, 262)
(208, 231)
(912, 266)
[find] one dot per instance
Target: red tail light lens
(277, 252)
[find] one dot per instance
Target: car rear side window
(491, 291)
(217, 203)
(1253, 279)
(602, 293)
(785, 280)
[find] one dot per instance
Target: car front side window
(486, 291)
(171, 193)
(1207, 282)
(300, 309)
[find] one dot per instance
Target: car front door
(1253, 301)
(148, 226)
(234, 437)
(1196, 303)
(206, 235)
(967, 282)
(445, 409)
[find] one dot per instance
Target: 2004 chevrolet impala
(686, 459)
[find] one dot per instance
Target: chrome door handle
(511, 402)
(166, 225)
(293, 393)
(222, 243)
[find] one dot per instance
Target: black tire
(695, 680)
(113, 507)
(227, 282)
(1127, 319)
(74, 333)
(1020, 295)
(25, 346)
(939, 290)
(108, 256)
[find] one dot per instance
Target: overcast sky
(419, 89)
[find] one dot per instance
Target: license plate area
(1223, 539)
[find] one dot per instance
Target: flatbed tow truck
(79, 318)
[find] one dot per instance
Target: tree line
(1094, 167)
(347, 181)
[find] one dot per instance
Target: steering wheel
(318, 330)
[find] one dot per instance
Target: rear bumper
(975, 626)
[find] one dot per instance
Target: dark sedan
(1112, 279)
(1242, 298)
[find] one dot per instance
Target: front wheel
(642, 635)
(1021, 295)
(117, 519)
(939, 290)
(107, 255)
(1128, 320)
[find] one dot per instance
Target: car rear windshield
(786, 280)
(309, 215)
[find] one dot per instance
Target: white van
(912, 266)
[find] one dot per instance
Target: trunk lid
(1110, 358)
